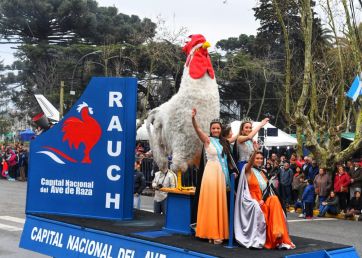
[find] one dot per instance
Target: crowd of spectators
(14, 162)
(302, 183)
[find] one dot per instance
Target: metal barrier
(149, 167)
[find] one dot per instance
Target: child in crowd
(5, 170)
(308, 199)
(300, 190)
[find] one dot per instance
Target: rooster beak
(206, 45)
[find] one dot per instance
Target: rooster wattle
(86, 130)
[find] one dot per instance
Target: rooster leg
(179, 183)
(86, 158)
(179, 179)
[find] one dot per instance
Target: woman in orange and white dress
(212, 214)
(251, 229)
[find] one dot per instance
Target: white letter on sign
(115, 98)
(115, 200)
(115, 124)
(109, 173)
(110, 149)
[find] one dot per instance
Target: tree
(321, 113)
(69, 21)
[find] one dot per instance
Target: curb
(316, 212)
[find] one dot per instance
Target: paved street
(12, 206)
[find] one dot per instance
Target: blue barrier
(231, 213)
(349, 252)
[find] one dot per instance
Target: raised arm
(249, 165)
(244, 138)
(232, 138)
(203, 137)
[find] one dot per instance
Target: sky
(215, 19)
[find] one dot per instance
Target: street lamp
(72, 92)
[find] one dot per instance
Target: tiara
(216, 120)
(246, 119)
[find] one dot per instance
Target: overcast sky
(214, 19)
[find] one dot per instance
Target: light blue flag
(355, 90)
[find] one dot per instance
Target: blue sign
(58, 239)
(83, 166)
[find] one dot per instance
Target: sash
(261, 180)
(249, 145)
(222, 159)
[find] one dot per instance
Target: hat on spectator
(357, 190)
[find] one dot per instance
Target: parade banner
(58, 239)
(83, 166)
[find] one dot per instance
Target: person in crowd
(308, 199)
(306, 166)
(139, 185)
(21, 164)
(268, 168)
(12, 162)
(330, 205)
(5, 169)
(282, 160)
(355, 172)
(313, 170)
(212, 214)
(244, 144)
(274, 157)
(285, 183)
(250, 201)
(299, 203)
(275, 173)
(167, 179)
(322, 185)
(296, 183)
(293, 162)
(349, 166)
(341, 183)
(355, 205)
(139, 149)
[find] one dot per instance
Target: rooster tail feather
(156, 140)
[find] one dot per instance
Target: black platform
(147, 223)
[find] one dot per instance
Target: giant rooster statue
(85, 130)
(172, 132)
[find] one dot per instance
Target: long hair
(242, 126)
(224, 143)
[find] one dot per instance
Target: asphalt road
(12, 218)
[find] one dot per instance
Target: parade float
(80, 185)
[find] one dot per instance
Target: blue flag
(355, 90)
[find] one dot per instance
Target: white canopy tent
(142, 134)
(283, 139)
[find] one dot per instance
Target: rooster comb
(83, 105)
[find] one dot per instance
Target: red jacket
(5, 166)
(341, 180)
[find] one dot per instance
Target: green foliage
(69, 21)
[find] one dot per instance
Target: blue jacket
(312, 172)
(308, 194)
(286, 176)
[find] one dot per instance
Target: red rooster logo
(85, 130)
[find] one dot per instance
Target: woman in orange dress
(277, 235)
(212, 215)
